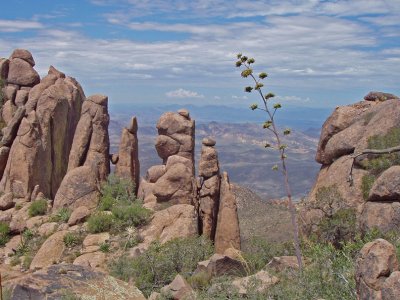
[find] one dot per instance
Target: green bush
(131, 215)
(4, 233)
(367, 182)
(38, 208)
(259, 252)
(100, 222)
(341, 226)
(116, 190)
(105, 247)
(72, 239)
(62, 215)
(158, 266)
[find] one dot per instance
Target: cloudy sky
(317, 53)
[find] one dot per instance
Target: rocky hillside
(372, 190)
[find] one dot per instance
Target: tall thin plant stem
(271, 126)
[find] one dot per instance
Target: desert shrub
(38, 208)
(72, 239)
(259, 252)
(376, 164)
(28, 247)
(100, 222)
(328, 199)
(341, 226)
(133, 214)
(367, 182)
(62, 215)
(116, 190)
(158, 266)
(105, 247)
(4, 233)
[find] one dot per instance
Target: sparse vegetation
(118, 207)
(27, 248)
(277, 143)
(62, 215)
(105, 247)
(367, 182)
(4, 233)
(72, 239)
(38, 208)
(100, 222)
(158, 266)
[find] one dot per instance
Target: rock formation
(39, 132)
(227, 233)
(127, 165)
(373, 123)
(209, 185)
(377, 272)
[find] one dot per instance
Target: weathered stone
(21, 98)
(173, 222)
(166, 146)
(92, 260)
(84, 282)
(379, 96)
(10, 93)
(91, 142)
(184, 113)
(8, 111)
(47, 228)
(128, 166)
(4, 152)
(391, 287)
(176, 186)
(36, 221)
(114, 158)
(19, 218)
(282, 263)
(227, 233)
(96, 239)
(24, 55)
(79, 215)
(4, 66)
(387, 186)
(10, 132)
(75, 192)
(37, 90)
(50, 252)
(219, 265)
(376, 262)
(179, 289)
(22, 73)
(55, 72)
(384, 216)
(259, 282)
(155, 172)
(208, 142)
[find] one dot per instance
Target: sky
(316, 53)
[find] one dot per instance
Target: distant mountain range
(239, 143)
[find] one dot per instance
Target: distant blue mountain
(302, 118)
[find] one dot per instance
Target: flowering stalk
(269, 124)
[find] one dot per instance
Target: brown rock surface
(281, 263)
(79, 215)
(382, 215)
(91, 142)
(177, 184)
(92, 260)
(209, 189)
(227, 233)
(179, 289)
(6, 201)
(54, 281)
(24, 55)
(376, 262)
(4, 152)
(173, 222)
(75, 192)
(22, 73)
(4, 66)
(155, 172)
(387, 186)
(219, 265)
(128, 166)
(379, 96)
(262, 280)
(21, 98)
(391, 287)
(50, 252)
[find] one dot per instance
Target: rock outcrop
(227, 232)
(377, 272)
(127, 165)
(370, 124)
(209, 188)
(40, 131)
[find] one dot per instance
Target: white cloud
(181, 94)
(19, 25)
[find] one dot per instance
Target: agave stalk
(270, 125)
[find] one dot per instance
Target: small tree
(245, 63)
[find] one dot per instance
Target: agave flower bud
(246, 73)
(243, 58)
(248, 89)
(275, 168)
(263, 75)
(258, 86)
(267, 124)
(277, 105)
(254, 106)
(251, 61)
(287, 131)
(269, 95)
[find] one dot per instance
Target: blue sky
(317, 53)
